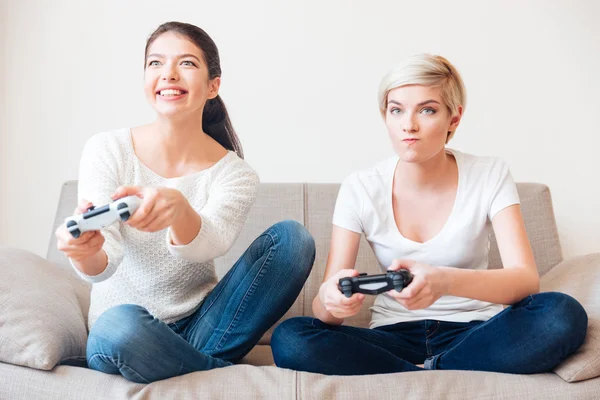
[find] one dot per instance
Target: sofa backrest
(312, 205)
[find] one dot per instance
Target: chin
(168, 112)
(409, 156)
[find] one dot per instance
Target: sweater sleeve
(231, 195)
(98, 179)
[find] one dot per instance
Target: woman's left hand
(428, 285)
(159, 209)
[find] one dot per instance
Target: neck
(427, 175)
(180, 139)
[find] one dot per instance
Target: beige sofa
(256, 377)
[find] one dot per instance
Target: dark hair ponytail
(215, 119)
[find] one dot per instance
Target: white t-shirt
(364, 205)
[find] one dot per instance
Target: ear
(213, 87)
(455, 120)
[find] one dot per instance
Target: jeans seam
(437, 326)
(217, 296)
(214, 300)
(116, 363)
(249, 292)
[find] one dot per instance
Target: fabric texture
(144, 268)
(41, 323)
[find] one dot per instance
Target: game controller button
(125, 216)
(71, 223)
(121, 206)
(76, 233)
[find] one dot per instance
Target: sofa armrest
(579, 277)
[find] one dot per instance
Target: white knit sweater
(145, 268)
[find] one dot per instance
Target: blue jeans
(531, 336)
(251, 297)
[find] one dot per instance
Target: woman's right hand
(86, 245)
(334, 300)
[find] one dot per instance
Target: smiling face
(418, 121)
(176, 77)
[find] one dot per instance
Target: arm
(97, 181)
(196, 235)
(186, 228)
(342, 256)
(92, 266)
(208, 233)
(518, 279)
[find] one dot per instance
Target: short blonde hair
(428, 70)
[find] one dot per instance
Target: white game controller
(95, 219)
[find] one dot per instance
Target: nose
(409, 123)
(169, 73)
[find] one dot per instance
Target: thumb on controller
(124, 191)
(401, 264)
(83, 206)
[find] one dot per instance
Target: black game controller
(375, 284)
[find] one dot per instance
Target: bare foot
(420, 365)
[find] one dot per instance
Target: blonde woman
(430, 209)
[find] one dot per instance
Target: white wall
(300, 79)
(3, 130)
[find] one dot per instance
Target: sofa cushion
(438, 384)
(579, 277)
(41, 323)
(70, 383)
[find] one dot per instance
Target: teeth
(170, 92)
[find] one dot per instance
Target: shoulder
(373, 177)
(232, 168)
(114, 141)
(109, 148)
(484, 167)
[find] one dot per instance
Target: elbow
(222, 248)
(534, 280)
(531, 285)
(535, 284)
(200, 253)
(323, 315)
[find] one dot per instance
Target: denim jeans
(531, 336)
(257, 291)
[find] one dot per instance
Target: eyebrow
(420, 104)
(179, 56)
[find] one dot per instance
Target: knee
(288, 342)
(298, 243)
(115, 329)
(566, 317)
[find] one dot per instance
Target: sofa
(43, 309)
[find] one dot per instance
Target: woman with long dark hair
(157, 308)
